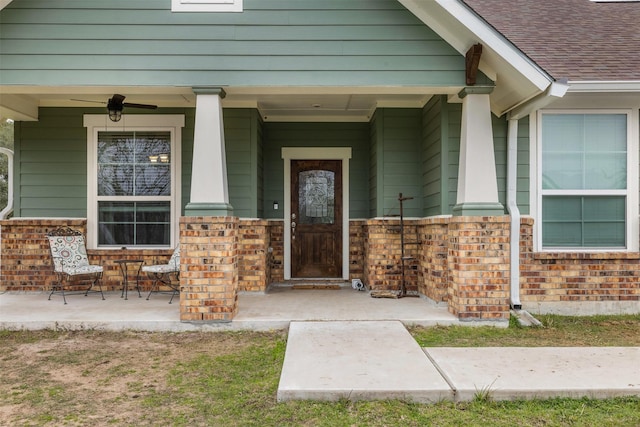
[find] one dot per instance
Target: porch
(273, 309)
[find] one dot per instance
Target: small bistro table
(124, 269)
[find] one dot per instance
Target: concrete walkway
(380, 360)
(345, 344)
(358, 361)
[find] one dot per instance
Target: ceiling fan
(116, 104)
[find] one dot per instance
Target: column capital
(475, 90)
(209, 90)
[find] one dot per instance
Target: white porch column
(477, 181)
(209, 189)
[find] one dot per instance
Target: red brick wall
(25, 262)
(253, 264)
(575, 276)
(383, 255)
(433, 274)
(463, 261)
(357, 240)
(276, 257)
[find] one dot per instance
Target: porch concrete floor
(274, 309)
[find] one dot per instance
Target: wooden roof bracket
(472, 59)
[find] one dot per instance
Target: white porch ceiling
(273, 103)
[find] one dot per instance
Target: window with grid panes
(584, 194)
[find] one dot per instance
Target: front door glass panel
(316, 197)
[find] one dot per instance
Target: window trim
(206, 6)
(172, 123)
(631, 192)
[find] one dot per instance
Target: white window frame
(206, 6)
(631, 192)
(172, 123)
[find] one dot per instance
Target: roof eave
(517, 77)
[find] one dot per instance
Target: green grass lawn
(557, 331)
(230, 379)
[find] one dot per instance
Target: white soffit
(517, 78)
(353, 104)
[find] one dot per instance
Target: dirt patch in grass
(100, 378)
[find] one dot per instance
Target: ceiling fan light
(115, 106)
(115, 115)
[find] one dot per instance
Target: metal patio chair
(70, 262)
(166, 274)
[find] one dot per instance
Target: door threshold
(324, 286)
(297, 284)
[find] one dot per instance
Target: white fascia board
(555, 91)
(461, 27)
(4, 3)
(604, 86)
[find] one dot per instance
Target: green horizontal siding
(234, 47)
(433, 156)
(409, 151)
(397, 143)
(51, 162)
(272, 42)
(453, 124)
(441, 153)
(375, 175)
(500, 131)
(51, 166)
(278, 135)
(500, 154)
(187, 152)
(258, 178)
(523, 181)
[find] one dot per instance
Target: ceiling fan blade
(146, 106)
(87, 100)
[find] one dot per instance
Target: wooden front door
(316, 218)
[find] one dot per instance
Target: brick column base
(208, 268)
(479, 267)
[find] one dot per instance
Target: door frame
(316, 153)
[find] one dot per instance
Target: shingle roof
(577, 39)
